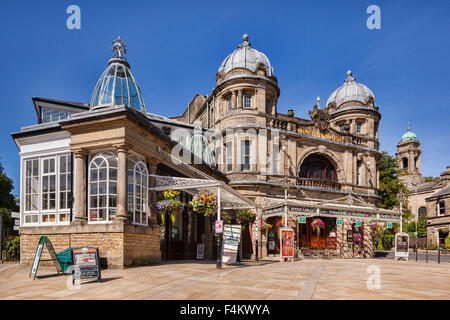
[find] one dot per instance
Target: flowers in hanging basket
(317, 224)
(170, 204)
(245, 217)
(225, 217)
(266, 226)
(205, 203)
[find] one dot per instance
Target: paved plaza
(301, 280)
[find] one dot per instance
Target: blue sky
(176, 47)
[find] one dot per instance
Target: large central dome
(350, 91)
(246, 57)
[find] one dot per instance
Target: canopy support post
(219, 235)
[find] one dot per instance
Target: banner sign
(86, 264)
(231, 240)
(287, 243)
(37, 257)
(200, 251)
(219, 226)
(401, 246)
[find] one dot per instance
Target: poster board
(401, 246)
(44, 240)
(286, 243)
(86, 264)
(231, 241)
(200, 251)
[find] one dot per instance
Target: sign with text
(44, 240)
(86, 264)
(200, 251)
(287, 243)
(359, 223)
(219, 226)
(231, 240)
(15, 215)
(401, 246)
(301, 219)
(339, 222)
(389, 225)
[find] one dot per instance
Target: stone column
(239, 98)
(80, 186)
(122, 183)
(233, 100)
(152, 167)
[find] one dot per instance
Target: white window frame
(229, 156)
(145, 200)
(439, 208)
(40, 212)
(69, 186)
(25, 211)
(244, 156)
(101, 154)
(250, 98)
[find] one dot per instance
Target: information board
(287, 243)
(231, 240)
(401, 246)
(339, 222)
(86, 264)
(301, 219)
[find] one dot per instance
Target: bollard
(439, 251)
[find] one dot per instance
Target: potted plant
(170, 205)
(317, 224)
(204, 203)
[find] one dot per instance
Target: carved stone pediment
(320, 118)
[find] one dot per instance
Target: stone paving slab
(306, 279)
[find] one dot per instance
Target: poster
(271, 245)
(219, 226)
(401, 246)
(86, 263)
(287, 243)
(231, 240)
(200, 251)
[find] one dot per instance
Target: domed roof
(350, 91)
(408, 135)
(245, 57)
(117, 85)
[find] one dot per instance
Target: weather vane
(120, 48)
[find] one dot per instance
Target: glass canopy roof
(117, 86)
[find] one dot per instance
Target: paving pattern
(304, 279)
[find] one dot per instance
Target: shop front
(334, 228)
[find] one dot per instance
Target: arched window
(422, 211)
(102, 187)
(405, 163)
(137, 191)
(316, 166)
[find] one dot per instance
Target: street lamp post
(219, 235)
(401, 198)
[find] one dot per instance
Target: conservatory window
(65, 185)
(51, 114)
(137, 191)
(102, 187)
(31, 190)
(48, 195)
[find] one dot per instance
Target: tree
(431, 179)
(390, 184)
(7, 201)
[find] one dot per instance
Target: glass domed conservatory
(117, 85)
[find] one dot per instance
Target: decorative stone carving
(320, 117)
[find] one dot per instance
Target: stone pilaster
(239, 99)
(152, 167)
(122, 184)
(233, 100)
(80, 186)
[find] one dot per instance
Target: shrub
(12, 248)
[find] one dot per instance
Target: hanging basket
(204, 203)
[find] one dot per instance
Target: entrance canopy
(228, 197)
(337, 208)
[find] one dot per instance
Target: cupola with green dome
(408, 135)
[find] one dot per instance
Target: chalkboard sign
(231, 241)
(86, 264)
(37, 257)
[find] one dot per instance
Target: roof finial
(349, 73)
(245, 37)
(409, 124)
(318, 102)
(245, 43)
(120, 48)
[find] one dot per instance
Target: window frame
(229, 103)
(229, 156)
(439, 208)
(48, 174)
(250, 96)
(359, 127)
(102, 154)
(246, 156)
(138, 162)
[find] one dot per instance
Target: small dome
(408, 136)
(350, 91)
(117, 85)
(245, 57)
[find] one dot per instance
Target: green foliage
(447, 242)
(12, 249)
(7, 203)
(245, 217)
(390, 184)
(431, 179)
